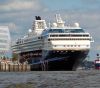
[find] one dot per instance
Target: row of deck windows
(72, 45)
(70, 35)
(69, 39)
(66, 31)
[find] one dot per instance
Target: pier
(14, 68)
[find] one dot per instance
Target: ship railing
(68, 35)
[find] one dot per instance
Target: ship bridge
(64, 32)
(66, 39)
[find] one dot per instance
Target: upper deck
(54, 36)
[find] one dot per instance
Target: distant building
(4, 40)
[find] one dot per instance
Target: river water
(50, 79)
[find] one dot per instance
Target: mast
(59, 21)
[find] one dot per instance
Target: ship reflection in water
(57, 47)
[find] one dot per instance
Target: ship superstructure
(97, 63)
(57, 47)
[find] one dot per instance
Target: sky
(19, 15)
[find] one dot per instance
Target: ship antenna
(58, 18)
(49, 25)
(60, 22)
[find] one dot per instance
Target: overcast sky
(19, 15)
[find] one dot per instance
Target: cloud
(10, 25)
(17, 5)
(18, 14)
(91, 4)
(91, 1)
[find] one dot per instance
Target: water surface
(51, 79)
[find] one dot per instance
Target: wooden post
(9, 67)
(0, 66)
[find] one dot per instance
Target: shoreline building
(4, 40)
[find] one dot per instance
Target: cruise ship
(54, 47)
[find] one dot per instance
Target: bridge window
(74, 31)
(56, 31)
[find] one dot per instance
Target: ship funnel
(39, 25)
(37, 17)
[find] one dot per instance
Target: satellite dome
(30, 30)
(76, 24)
(54, 24)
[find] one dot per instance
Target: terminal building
(4, 40)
